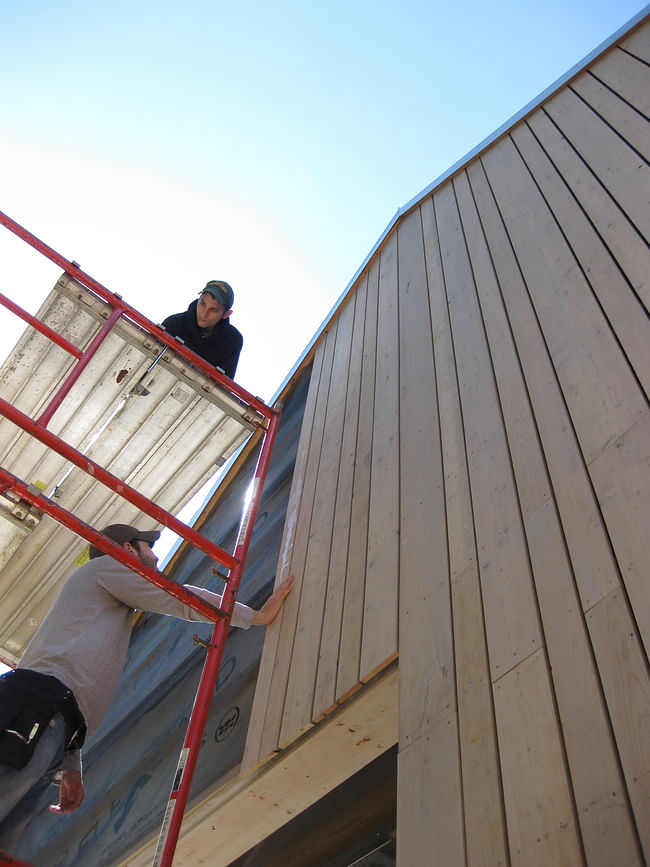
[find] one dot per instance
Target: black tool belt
(28, 701)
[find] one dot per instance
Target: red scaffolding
(261, 418)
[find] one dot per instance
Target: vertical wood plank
(619, 169)
(258, 721)
(460, 522)
(599, 792)
(626, 76)
(624, 672)
(379, 639)
(591, 556)
(585, 534)
(604, 810)
(481, 788)
(430, 828)
(425, 640)
(541, 820)
(630, 125)
(621, 477)
(325, 689)
(533, 486)
(619, 235)
(352, 625)
(510, 607)
(622, 308)
(290, 620)
(600, 390)
(299, 710)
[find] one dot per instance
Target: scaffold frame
(266, 423)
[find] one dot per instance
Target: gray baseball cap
(122, 533)
(221, 292)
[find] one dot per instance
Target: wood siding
(472, 493)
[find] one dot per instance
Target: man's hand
(71, 793)
(271, 608)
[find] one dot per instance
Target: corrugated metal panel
(164, 443)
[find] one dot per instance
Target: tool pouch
(28, 701)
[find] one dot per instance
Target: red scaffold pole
(130, 494)
(7, 860)
(180, 790)
(36, 498)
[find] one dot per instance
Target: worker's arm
(271, 608)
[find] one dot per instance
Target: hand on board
(271, 608)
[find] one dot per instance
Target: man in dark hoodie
(205, 327)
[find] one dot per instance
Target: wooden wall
(472, 492)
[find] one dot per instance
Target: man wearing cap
(68, 674)
(205, 327)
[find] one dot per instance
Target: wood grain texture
(627, 77)
(269, 695)
(429, 817)
(595, 567)
(622, 665)
(539, 808)
(620, 476)
(623, 174)
(599, 388)
(291, 622)
(511, 614)
(426, 646)
(627, 119)
(325, 691)
(627, 248)
(623, 311)
(482, 801)
(379, 638)
(297, 712)
(349, 673)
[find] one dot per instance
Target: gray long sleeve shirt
(84, 639)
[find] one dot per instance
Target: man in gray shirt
(68, 674)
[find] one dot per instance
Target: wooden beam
(241, 814)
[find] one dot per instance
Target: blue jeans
(20, 791)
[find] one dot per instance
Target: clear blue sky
(162, 144)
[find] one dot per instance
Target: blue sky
(269, 144)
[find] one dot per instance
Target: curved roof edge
(500, 131)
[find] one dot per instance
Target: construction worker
(205, 327)
(65, 681)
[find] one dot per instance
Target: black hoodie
(221, 348)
